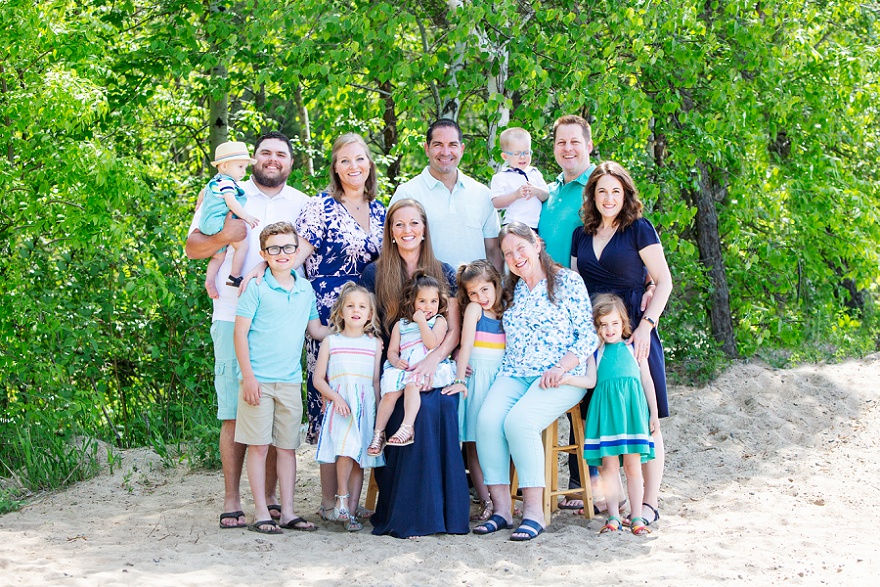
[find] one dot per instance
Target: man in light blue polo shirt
(464, 224)
(572, 143)
(271, 200)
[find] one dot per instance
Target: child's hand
(654, 424)
(250, 391)
(402, 365)
(252, 221)
(419, 317)
(527, 192)
(566, 379)
(341, 407)
(455, 388)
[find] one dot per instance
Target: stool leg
(372, 492)
(587, 498)
(550, 467)
(514, 487)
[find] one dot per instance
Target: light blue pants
(514, 414)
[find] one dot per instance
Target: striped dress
(618, 417)
(350, 374)
(413, 350)
(485, 360)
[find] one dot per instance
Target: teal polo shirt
(278, 328)
(562, 214)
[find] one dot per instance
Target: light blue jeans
(514, 414)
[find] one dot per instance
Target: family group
(462, 319)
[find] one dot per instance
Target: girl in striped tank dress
(480, 354)
(347, 375)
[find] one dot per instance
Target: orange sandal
(612, 524)
(639, 526)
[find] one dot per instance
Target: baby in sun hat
(222, 195)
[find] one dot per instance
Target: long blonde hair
(337, 322)
(391, 274)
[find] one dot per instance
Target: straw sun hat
(232, 151)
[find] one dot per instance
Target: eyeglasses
(276, 250)
(518, 153)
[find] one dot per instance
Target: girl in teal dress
(622, 414)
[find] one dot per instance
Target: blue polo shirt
(459, 220)
(562, 214)
(278, 328)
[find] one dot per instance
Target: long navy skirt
(422, 487)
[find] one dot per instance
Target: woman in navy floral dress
(340, 233)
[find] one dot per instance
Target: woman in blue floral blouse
(550, 334)
(340, 233)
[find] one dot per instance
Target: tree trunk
(451, 105)
(389, 133)
(218, 113)
(496, 85)
(305, 130)
(709, 245)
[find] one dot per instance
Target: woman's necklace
(348, 204)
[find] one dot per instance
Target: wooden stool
(552, 448)
(373, 492)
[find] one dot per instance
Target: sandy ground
(773, 478)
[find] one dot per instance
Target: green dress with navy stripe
(618, 419)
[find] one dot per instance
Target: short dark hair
(274, 134)
(575, 120)
(443, 123)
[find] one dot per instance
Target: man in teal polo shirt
(572, 143)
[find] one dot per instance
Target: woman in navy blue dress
(618, 251)
(422, 487)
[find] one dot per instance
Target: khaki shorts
(275, 421)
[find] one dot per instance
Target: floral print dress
(342, 250)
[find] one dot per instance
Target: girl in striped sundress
(347, 375)
(623, 411)
(481, 351)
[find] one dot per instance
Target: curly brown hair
(632, 206)
(481, 270)
(411, 291)
(337, 322)
(551, 268)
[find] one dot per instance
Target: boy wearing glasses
(271, 320)
(518, 189)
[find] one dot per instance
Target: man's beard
(269, 182)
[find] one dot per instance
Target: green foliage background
(103, 142)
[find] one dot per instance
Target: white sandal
(341, 514)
